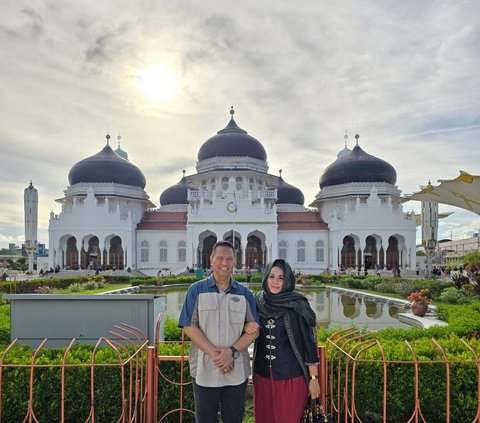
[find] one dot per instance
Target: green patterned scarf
(276, 305)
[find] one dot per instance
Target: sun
(157, 82)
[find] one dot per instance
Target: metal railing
(131, 366)
(349, 366)
(358, 380)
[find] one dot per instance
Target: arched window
(213, 184)
(319, 251)
(282, 250)
(225, 183)
(301, 251)
(144, 251)
(238, 183)
(163, 251)
(182, 252)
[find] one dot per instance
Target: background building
(356, 220)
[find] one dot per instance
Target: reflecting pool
(334, 308)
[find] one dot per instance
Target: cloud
(402, 74)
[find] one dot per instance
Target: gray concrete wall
(84, 317)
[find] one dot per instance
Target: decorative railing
(426, 385)
(359, 381)
(49, 391)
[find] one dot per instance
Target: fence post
(151, 400)
(323, 375)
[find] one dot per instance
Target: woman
(286, 355)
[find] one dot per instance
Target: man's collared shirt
(221, 316)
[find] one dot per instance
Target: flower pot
(418, 308)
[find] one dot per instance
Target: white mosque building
(355, 221)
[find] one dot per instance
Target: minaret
(31, 223)
(429, 229)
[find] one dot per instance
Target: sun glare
(158, 82)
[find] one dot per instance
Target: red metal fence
(130, 368)
(348, 354)
(155, 387)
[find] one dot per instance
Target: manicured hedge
(369, 379)
(47, 385)
(169, 393)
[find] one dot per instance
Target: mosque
(355, 221)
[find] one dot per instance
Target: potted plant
(420, 301)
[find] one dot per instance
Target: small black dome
(288, 194)
(106, 166)
(358, 166)
(232, 141)
(176, 194)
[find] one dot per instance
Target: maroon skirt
(279, 401)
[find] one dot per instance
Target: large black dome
(232, 141)
(176, 194)
(106, 166)
(288, 194)
(358, 166)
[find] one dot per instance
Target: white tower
(429, 229)
(31, 223)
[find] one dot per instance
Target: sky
(162, 74)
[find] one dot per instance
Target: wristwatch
(235, 352)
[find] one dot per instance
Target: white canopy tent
(463, 192)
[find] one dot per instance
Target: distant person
(213, 317)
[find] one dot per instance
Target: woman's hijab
(276, 305)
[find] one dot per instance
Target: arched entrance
(237, 244)
(254, 252)
(347, 259)
(370, 253)
(206, 250)
(115, 253)
(71, 259)
(91, 259)
(393, 256)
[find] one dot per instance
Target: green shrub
(370, 282)
(47, 384)
(453, 295)
(76, 287)
(168, 393)
(353, 283)
(434, 286)
(386, 286)
(404, 288)
(171, 330)
(400, 377)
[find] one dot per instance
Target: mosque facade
(356, 220)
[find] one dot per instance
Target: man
(213, 316)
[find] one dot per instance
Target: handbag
(314, 412)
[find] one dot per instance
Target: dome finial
(108, 138)
(232, 111)
(119, 138)
(280, 172)
(346, 138)
(356, 138)
(184, 171)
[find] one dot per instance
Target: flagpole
(233, 221)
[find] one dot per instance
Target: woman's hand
(251, 327)
(314, 388)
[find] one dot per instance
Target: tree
(471, 262)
